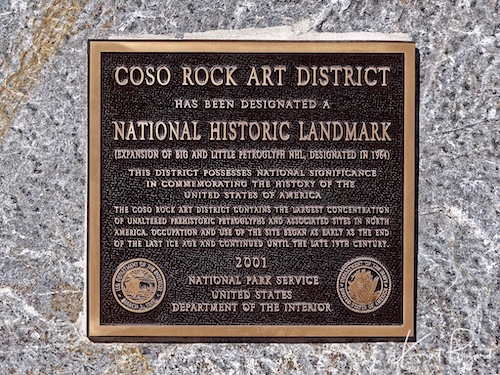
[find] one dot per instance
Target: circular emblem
(363, 285)
(138, 285)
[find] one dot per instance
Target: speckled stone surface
(43, 148)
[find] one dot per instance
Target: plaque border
(249, 333)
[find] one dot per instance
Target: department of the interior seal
(363, 285)
(138, 285)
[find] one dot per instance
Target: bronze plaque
(251, 191)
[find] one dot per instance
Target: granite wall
(43, 153)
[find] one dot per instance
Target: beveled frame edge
(98, 332)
